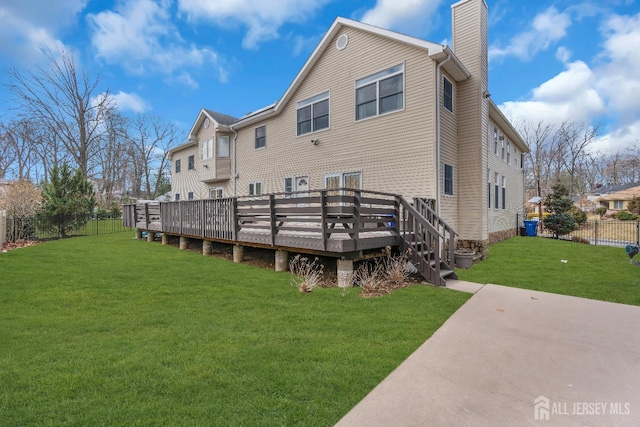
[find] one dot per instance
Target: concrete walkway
(517, 357)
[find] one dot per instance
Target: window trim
(496, 197)
(504, 193)
(376, 78)
(445, 180)
(219, 145)
(256, 138)
(190, 195)
(444, 94)
(177, 166)
(208, 143)
(489, 188)
(341, 176)
(176, 197)
(312, 102)
(191, 162)
(253, 186)
(216, 189)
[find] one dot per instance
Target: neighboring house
(376, 110)
(619, 201)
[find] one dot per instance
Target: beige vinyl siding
(499, 219)
(394, 152)
(470, 44)
(449, 152)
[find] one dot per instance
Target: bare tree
(573, 141)
(538, 137)
(112, 157)
(7, 153)
(67, 99)
(22, 136)
(151, 139)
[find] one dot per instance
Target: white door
(302, 186)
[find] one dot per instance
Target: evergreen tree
(68, 199)
(559, 204)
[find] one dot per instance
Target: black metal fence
(599, 232)
(45, 227)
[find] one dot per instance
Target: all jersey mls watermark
(544, 409)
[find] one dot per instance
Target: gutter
(438, 186)
(235, 163)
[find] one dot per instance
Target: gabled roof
(437, 52)
(608, 189)
(627, 194)
(498, 118)
(218, 120)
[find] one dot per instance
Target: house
(377, 110)
(619, 200)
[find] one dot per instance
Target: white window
(346, 180)
(288, 185)
(502, 142)
(223, 147)
(504, 192)
(207, 149)
(618, 204)
(448, 180)
(313, 114)
(496, 192)
(508, 152)
(448, 94)
(488, 189)
(216, 193)
(515, 157)
(495, 140)
(380, 93)
(255, 188)
(261, 136)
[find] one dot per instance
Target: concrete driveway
(517, 357)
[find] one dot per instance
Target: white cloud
(570, 95)
(408, 16)
(27, 26)
(563, 54)
(131, 102)
(547, 27)
(262, 18)
(140, 36)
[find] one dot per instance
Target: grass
(595, 272)
(108, 330)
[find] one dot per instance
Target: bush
(579, 215)
(383, 275)
(634, 205)
(306, 276)
(601, 211)
(560, 223)
(626, 216)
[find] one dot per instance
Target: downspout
(235, 170)
(438, 169)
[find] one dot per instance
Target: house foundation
(480, 247)
(138, 234)
(499, 236)
(207, 247)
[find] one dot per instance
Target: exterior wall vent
(342, 41)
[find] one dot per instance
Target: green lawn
(596, 272)
(108, 330)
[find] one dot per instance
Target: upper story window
(502, 144)
(380, 93)
(448, 94)
(178, 166)
(313, 114)
(495, 140)
(207, 149)
(223, 147)
(191, 163)
(508, 152)
(261, 136)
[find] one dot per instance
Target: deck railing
(332, 221)
(447, 245)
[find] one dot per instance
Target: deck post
(357, 218)
(146, 214)
(345, 273)
(138, 234)
(234, 219)
(238, 253)
(207, 247)
(165, 239)
(272, 218)
(184, 243)
(323, 214)
(282, 260)
(151, 235)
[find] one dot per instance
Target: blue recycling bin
(532, 228)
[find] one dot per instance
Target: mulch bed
(9, 246)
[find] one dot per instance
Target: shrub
(383, 275)
(560, 223)
(306, 275)
(601, 211)
(578, 214)
(634, 205)
(626, 216)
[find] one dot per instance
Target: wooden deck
(341, 223)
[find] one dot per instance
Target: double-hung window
(448, 180)
(223, 147)
(177, 197)
(495, 140)
(261, 136)
(508, 152)
(488, 189)
(255, 188)
(504, 192)
(447, 98)
(191, 163)
(207, 149)
(496, 192)
(313, 114)
(380, 93)
(178, 166)
(618, 204)
(190, 195)
(216, 193)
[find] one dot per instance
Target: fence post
(595, 231)
(638, 233)
(3, 228)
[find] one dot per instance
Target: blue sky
(549, 60)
